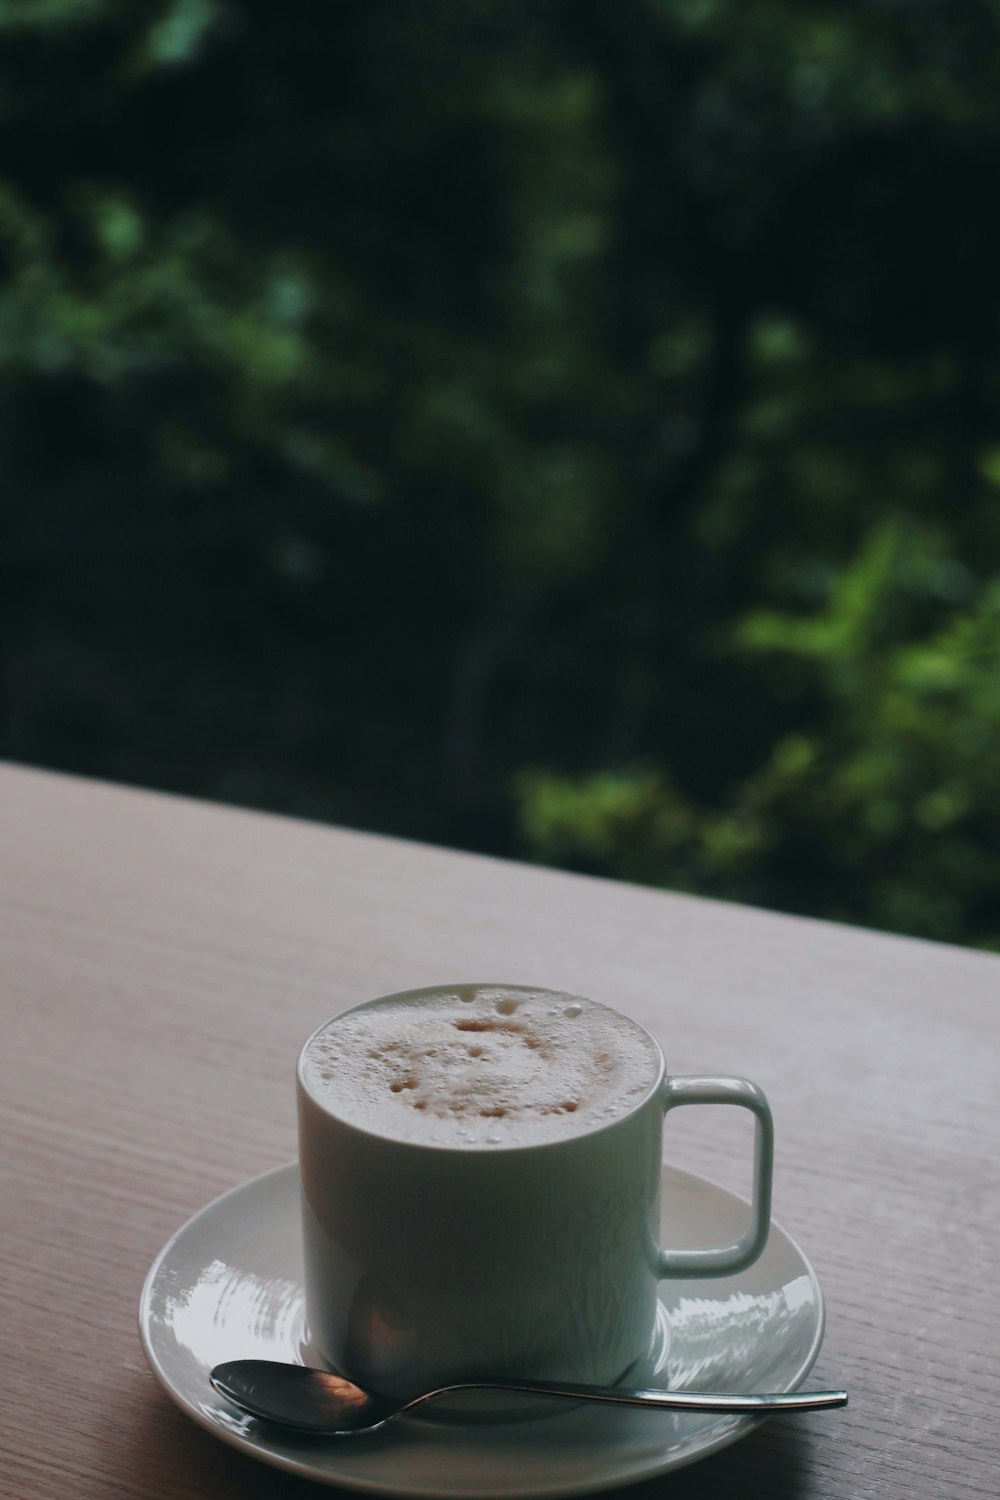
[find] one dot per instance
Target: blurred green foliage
(563, 429)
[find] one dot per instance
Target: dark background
(567, 430)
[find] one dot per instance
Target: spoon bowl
(328, 1405)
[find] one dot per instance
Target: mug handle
(712, 1089)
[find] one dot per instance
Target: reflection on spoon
(319, 1402)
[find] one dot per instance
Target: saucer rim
(556, 1489)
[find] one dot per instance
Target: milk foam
(481, 1066)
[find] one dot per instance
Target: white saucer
(228, 1285)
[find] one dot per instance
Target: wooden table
(162, 960)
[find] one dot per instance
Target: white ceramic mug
(429, 1263)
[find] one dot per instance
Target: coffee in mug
(480, 1172)
(480, 1066)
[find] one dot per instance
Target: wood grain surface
(162, 960)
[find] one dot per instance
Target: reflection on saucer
(762, 1332)
(268, 1311)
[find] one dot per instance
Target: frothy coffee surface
(481, 1066)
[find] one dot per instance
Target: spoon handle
(706, 1401)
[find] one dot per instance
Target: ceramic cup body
(429, 1263)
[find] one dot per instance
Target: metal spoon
(319, 1402)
